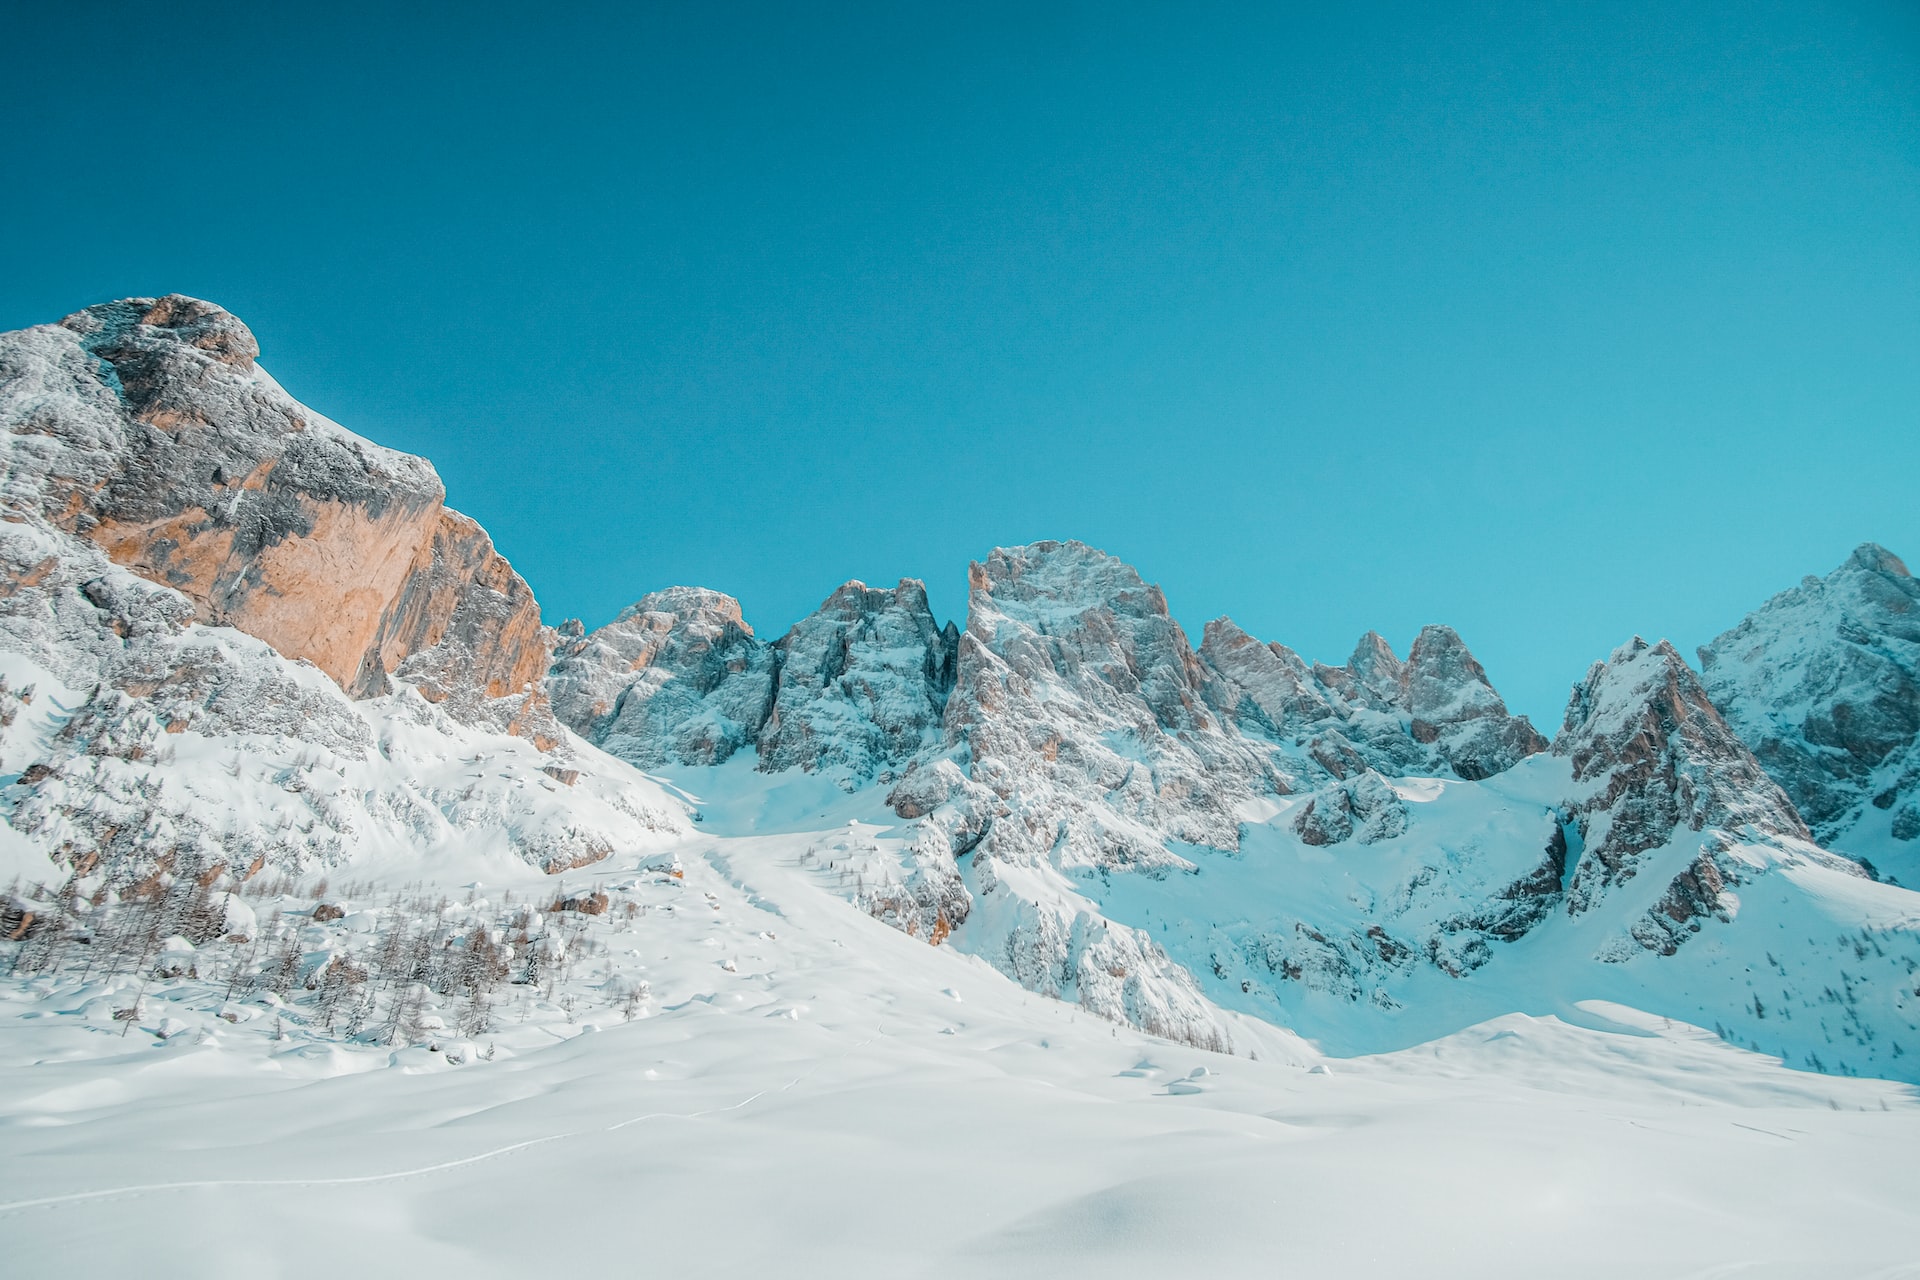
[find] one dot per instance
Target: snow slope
(812, 1092)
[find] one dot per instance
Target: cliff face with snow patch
(1651, 759)
(1824, 682)
(254, 640)
(677, 678)
(855, 689)
(863, 684)
(146, 427)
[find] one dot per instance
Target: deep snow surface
(808, 1092)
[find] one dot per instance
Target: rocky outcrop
(178, 748)
(855, 690)
(1265, 688)
(1082, 708)
(1079, 742)
(1362, 808)
(146, 427)
(863, 684)
(1653, 759)
(95, 626)
(1435, 712)
(1373, 677)
(1823, 683)
(465, 631)
(677, 678)
(464, 619)
(1453, 708)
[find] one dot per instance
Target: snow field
(845, 1100)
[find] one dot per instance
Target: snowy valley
(358, 918)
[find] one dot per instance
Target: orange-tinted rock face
(464, 617)
(321, 595)
(155, 435)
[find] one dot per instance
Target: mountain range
(243, 646)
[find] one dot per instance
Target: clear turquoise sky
(1553, 322)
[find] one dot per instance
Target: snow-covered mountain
(1823, 681)
(241, 643)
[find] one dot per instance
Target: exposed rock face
(64, 605)
(1452, 706)
(677, 678)
(1434, 712)
(855, 690)
(1652, 758)
(1363, 807)
(146, 427)
(305, 777)
(1823, 682)
(863, 684)
(464, 619)
(1080, 741)
(1266, 688)
(465, 630)
(1373, 677)
(1082, 708)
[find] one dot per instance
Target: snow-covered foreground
(806, 1091)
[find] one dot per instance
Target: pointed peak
(1441, 647)
(1224, 632)
(1635, 676)
(1372, 652)
(1871, 557)
(1633, 649)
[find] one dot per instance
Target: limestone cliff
(146, 427)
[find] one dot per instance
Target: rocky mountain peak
(1267, 688)
(1435, 711)
(146, 427)
(1453, 707)
(1089, 618)
(863, 683)
(697, 610)
(1079, 702)
(1651, 756)
(677, 678)
(855, 689)
(1824, 681)
(1872, 558)
(1373, 677)
(1051, 578)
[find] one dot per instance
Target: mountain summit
(1824, 681)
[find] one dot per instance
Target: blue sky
(1555, 323)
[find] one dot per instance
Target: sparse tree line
(382, 974)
